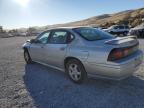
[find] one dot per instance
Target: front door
(37, 52)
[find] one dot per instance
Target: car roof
(68, 28)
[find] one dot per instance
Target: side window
(43, 38)
(121, 27)
(116, 27)
(70, 38)
(126, 27)
(58, 37)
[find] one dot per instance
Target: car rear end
(125, 58)
(108, 56)
(116, 58)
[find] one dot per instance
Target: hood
(106, 29)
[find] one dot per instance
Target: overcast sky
(25, 13)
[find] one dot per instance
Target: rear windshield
(92, 34)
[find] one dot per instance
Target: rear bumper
(117, 71)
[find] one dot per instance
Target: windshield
(92, 34)
(140, 26)
(111, 27)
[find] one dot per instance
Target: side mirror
(28, 41)
(34, 41)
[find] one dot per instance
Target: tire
(27, 57)
(125, 34)
(76, 71)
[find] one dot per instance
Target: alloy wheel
(74, 72)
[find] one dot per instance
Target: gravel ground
(37, 86)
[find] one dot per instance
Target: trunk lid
(123, 41)
(124, 47)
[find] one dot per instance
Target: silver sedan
(84, 52)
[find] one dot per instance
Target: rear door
(37, 52)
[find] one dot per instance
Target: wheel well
(70, 58)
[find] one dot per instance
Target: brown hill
(129, 17)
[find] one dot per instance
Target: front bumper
(119, 70)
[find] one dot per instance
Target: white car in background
(118, 30)
(137, 31)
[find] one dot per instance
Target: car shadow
(51, 88)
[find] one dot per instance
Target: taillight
(126, 52)
(115, 54)
(119, 53)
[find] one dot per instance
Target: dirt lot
(37, 86)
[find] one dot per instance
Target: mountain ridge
(132, 18)
(128, 17)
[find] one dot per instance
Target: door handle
(62, 48)
(42, 46)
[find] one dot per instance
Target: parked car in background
(85, 52)
(118, 30)
(137, 31)
(19, 34)
(97, 27)
(33, 33)
(22, 34)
